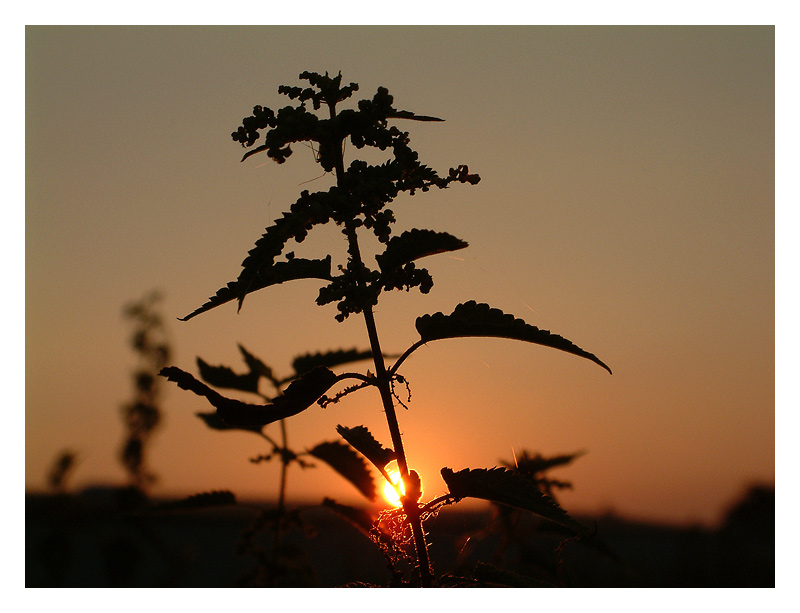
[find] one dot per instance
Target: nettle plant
(283, 564)
(358, 205)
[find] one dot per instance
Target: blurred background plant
(62, 469)
(142, 414)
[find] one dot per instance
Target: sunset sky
(627, 203)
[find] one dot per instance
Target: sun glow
(389, 491)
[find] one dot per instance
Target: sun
(389, 492)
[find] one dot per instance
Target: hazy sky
(627, 203)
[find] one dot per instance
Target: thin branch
(355, 375)
(270, 440)
(403, 357)
(436, 502)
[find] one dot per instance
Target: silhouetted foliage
(279, 273)
(274, 566)
(362, 440)
(61, 469)
(142, 414)
(534, 466)
(508, 488)
(200, 501)
(358, 204)
(344, 460)
(330, 359)
(473, 319)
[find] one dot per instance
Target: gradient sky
(627, 203)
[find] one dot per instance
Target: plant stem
(284, 469)
(280, 524)
(410, 506)
(383, 378)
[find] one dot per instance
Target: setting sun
(389, 491)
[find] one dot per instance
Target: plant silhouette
(283, 564)
(141, 415)
(358, 204)
(61, 469)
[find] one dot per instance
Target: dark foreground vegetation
(107, 537)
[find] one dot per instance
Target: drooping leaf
(240, 413)
(279, 272)
(363, 441)
(506, 487)
(215, 422)
(415, 244)
(344, 460)
(300, 395)
(307, 389)
(473, 319)
(306, 362)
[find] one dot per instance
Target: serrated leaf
(215, 422)
(508, 488)
(306, 362)
(309, 210)
(274, 274)
(344, 460)
(531, 465)
(257, 366)
(415, 244)
(224, 377)
(474, 319)
(363, 441)
(300, 395)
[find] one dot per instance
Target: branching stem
(383, 382)
(402, 358)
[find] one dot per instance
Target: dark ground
(106, 537)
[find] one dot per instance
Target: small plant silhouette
(358, 205)
(283, 564)
(61, 470)
(141, 415)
